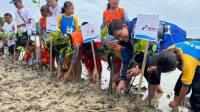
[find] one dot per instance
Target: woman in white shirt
(11, 28)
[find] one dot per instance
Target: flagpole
(142, 72)
(36, 51)
(112, 73)
(51, 59)
(95, 66)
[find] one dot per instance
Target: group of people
(127, 53)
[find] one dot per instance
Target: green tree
(36, 2)
(1, 21)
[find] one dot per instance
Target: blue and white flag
(147, 27)
(90, 32)
(51, 24)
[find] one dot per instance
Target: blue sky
(184, 13)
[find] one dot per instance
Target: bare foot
(92, 79)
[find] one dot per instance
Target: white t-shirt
(56, 11)
(26, 14)
(11, 29)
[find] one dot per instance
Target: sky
(184, 13)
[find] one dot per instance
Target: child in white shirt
(10, 27)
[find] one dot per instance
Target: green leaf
(140, 46)
(69, 49)
(4, 35)
(48, 39)
(68, 54)
(67, 58)
(62, 50)
(20, 48)
(67, 39)
(34, 1)
(104, 32)
(154, 47)
(59, 42)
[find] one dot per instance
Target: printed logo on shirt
(69, 29)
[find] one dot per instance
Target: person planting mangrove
(132, 51)
(186, 57)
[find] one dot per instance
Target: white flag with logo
(147, 27)
(90, 32)
(51, 24)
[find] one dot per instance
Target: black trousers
(195, 96)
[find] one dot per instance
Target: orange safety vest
(43, 23)
(77, 38)
(109, 16)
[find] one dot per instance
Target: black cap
(15, 1)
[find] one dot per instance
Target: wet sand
(22, 89)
